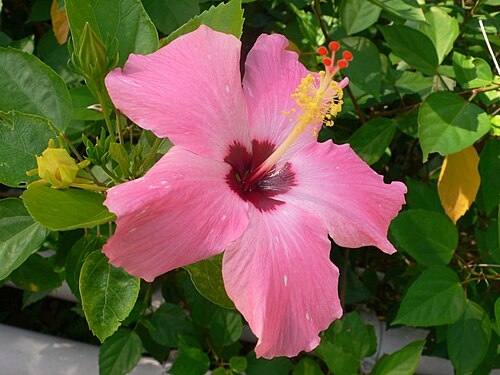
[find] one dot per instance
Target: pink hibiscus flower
(246, 179)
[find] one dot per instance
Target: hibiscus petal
(189, 91)
(281, 279)
(180, 212)
(271, 75)
(352, 199)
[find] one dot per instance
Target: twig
(488, 45)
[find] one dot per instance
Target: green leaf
(414, 82)
(402, 362)
(108, 294)
(346, 342)
(307, 366)
(497, 312)
(206, 276)
(225, 327)
(82, 98)
(275, 366)
(488, 196)
(447, 123)
(372, 138)
(238, 364)
(168, 15)
(29, 86)
(429, 237)
(442, 29)
(36, 274)
(167, 323)
(434, 298)
(20, 236)
(471, 72)
(468, 338)
(76, 257)
(226, 18)
(125, 20)
(191, 361)
(66, 209)
(422, 195)
(365, 70)
(407, 9)
(120, 353)
(412, 46)
(22, 137)
(358, 15)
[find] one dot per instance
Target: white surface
(24, 352)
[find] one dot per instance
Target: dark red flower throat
(261, 192)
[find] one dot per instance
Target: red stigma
(342, 64)
(347, 55)
(327, 62)
(322, 51)
(334, 46)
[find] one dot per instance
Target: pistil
(319, 98)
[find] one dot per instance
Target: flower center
(276, 181)
(319, 99)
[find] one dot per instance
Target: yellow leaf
(458, 182)
(59, 22)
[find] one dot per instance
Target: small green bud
(92, 56)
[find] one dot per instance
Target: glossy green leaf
(238, 364)
(372, 139)
(434, 298)
(412, 82)
(275, 366)
(76, 257)
(168, 15)
(66, 209)
(364, 70)
(422, 195)
(307, 366)
(488, 196)
(125, 20)
(402, 362)
(407, 9)
(191, 361)
(345, 343)
(20, 236)
(412, 46)
(429, 237)
(36, 274)
(471, 72)
(207, 278)
(442, 29)
(448, 123)
(225, 327)
(120, 353)
(358, 15)
(29, 86)
(108, 294)
(22, 137)
(82, 98)
(167, 323)
(468, 338)
(497, 312)
(225, 17)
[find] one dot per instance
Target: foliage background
(422, 108)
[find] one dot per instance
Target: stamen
(319, 99)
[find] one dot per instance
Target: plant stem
(343, 288)
(105, 112)
(119, 126)
(152, 153)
